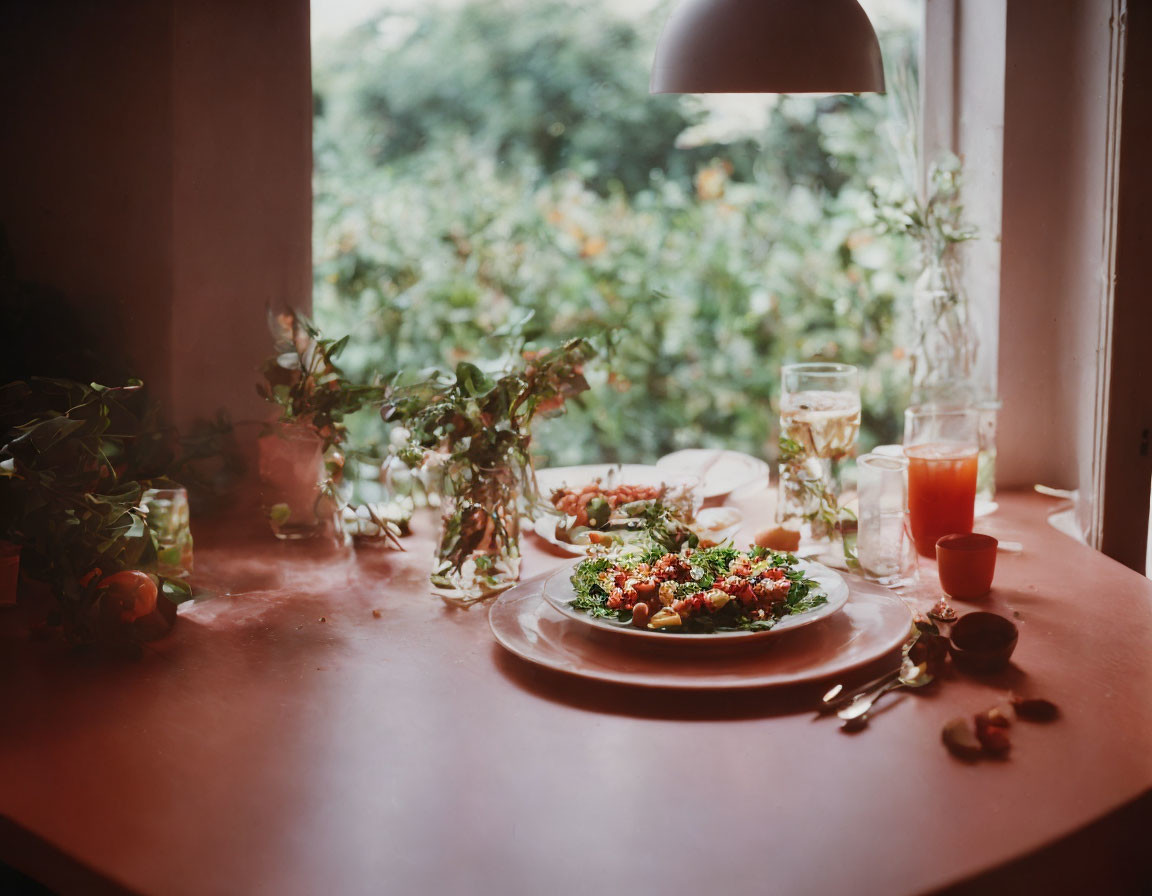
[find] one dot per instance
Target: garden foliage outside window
(487, 172)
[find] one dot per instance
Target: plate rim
(532, 589)
(601, 466)
(578, 550)
(761, 466)
(789, 623)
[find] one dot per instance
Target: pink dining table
(318, 724)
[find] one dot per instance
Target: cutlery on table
(855, 714)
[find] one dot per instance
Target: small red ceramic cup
(967, 563)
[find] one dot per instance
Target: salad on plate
(608, 514)
(695, 590)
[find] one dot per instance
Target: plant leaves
(47, 433)
(176, 590)
(472, 381)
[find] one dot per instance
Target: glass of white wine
(819, 425)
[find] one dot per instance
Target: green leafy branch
(304, 381)
(936, 221)
(476, 429)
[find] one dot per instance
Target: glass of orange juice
(942, 447)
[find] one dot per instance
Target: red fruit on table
(132, 592)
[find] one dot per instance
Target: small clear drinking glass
(883, 540)
(986, 460)
(819, 423)
(169, 522)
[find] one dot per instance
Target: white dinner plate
(723, 472)
(551, 478)
(714, 523)
(559, 593)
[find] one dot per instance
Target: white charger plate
(872, 625)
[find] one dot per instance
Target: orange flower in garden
(592, 247)
(617, 382)
(712, 180)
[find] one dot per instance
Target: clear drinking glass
(819, 423)
(884, 545)
(168, 520)
(942, 447)
(986, 459)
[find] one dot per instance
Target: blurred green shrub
(498, 170)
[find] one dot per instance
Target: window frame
(1070, 343)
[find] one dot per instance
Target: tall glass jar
(478, 551)
(292, 476)
(944, 341)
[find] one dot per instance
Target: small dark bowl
(983, 642)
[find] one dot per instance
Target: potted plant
(75, 462)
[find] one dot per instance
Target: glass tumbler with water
(168, 520)
(819, 422)
(883, 540)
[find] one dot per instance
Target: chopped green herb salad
(718, 589)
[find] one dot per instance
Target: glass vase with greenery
(473, 429)
(301, 461)
(944, 341)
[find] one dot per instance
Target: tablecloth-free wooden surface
(286, 740)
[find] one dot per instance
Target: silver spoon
(914, 677)
(836, 697)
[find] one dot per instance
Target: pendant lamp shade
(768, 46)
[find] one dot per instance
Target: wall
(156, 168)
(86, 165)
(1055, 187)
(242, 192)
